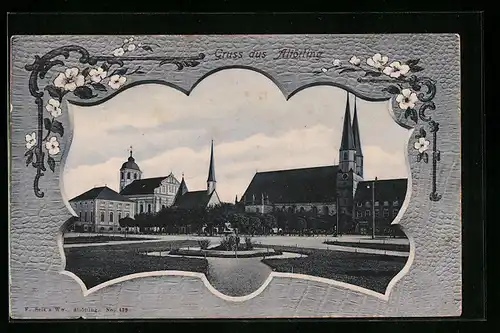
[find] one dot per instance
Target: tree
(301, 224)
(270, 222)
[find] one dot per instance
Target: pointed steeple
(236, 199)
(211, 172)
(347, 142)
(182, 189)
(355, 131)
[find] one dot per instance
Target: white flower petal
(370, 62)
(403, 105)
(48, 145)
(72, 72)
(49, 107)
(324, 70)
(413, 98)
(93, 72)
(54, 151)
(131, 47)
(406, 92)
(417, 145)
(95, 78)
(54, 102)
(122, 80)
(70, 86)
(131, 39)
(384, 60)
(395, 64)
(421, 140)
(80, 80)
(400, 98)
(60, 80)
(377, 57)
(404, 69)
(125, 41)
(387, 70)
(395, 74)
(28, 137)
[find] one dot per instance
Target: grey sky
(250, 121)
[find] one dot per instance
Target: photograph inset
(255, 184)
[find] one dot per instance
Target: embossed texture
(430, 287)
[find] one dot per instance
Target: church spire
(211, 171)
(355, 131)
(347, 142)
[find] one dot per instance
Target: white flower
(70, 79)
(324, 70)
(131, 39)
(336, 62)
(116, 81)
(406, 99)
(377, 61)
(355, 61)
(131, 47)
(421, 145)
(396, 69)
(140, 44)
(118, 52)
(52, 146)
(97, 74)
(30, 140)
(125, 41)
(53, 106)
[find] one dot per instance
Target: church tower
(211, 172)
(129, 172)
(357, 142)
(347, 151)
(347, 178)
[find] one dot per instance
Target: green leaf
(416, 68)
(347, 70)
(57, 128)
(54, 92)
(105, 66)
(425, 157)
(47, 123)
(52, 163)
(407, 113)
(84, 92)
(373, 73)
(419, 157)
(422, 133)
(120, 71)
(99, 86)
(412, 62)
(147, 48)
(86, 71)
(29, 158)
(413, 115)
(392, 90)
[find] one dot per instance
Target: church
(101, 208)
(339, 191)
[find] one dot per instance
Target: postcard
(220, 176)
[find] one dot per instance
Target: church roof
(142, 186)
(316, 184)
(211, 168)
(347, 142)
(355, 131)
(195, 199)
(130, 164)
(385, 189)
(102, 193)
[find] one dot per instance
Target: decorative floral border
(403, 84)
(90, 82)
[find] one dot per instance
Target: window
(302, 209)
(377, 212)
(119, 216)
(111, 217)
(110, 228)
(377, 204)
(314, 210)
(149, 208)
(102, 217)
(359, 213)
(162, 206)
(386, 203)
(395, 212)
(326, 210)
(85, 216)
(368, 204)
(135, 176)
(395, 203)
(386, 212)
(81, 216)
(162, 189)
(256, 210)
(128, 175)
(367, 213)
(346, 156)
(122, 175)
(141, 208)
(359, 204)
(91, 216)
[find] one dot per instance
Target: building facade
(100, 210)
(336, 190)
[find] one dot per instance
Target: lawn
(100, 239)
(369, 271)
(98, 264)
(375, 246)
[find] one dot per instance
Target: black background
(467, 25)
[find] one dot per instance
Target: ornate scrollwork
(87, 83)
(410, 91)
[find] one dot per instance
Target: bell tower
(211, 182)
(129, 171)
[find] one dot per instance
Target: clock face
(345, 176)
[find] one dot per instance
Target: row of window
(369, 203)
(168, 188)
(324, 210)
(385, 213)
(103, 204)
(129, 176)
(85, 217)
